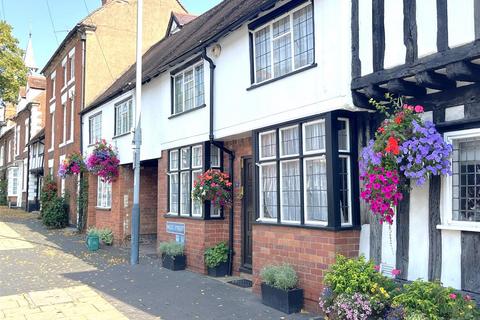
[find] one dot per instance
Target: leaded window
(284, 45)
(104, 194)
(188, 89)
(95, 128)
(123, 117)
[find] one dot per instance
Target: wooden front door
(248, 214)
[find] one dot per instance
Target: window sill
(307, 226)
(177, 216)
(254, 86)
(453, 227)
(122, 135)
(188, 111)
(103, 209)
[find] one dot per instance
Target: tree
(13, 72)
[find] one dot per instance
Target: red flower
(392, 146)
(398, 119)
(381, 130)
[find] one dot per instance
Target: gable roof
(192, 39)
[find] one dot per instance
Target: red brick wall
(309, 251)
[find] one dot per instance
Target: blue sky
(25, 15)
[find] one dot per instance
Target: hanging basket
(71, 165)
(214, 186)
(103, 161)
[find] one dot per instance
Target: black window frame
(332, 156)
(206, 164)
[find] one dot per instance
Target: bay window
(186, 164)
(304, 173)
(284, 44)
(188, 89)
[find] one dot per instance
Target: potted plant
(279, 288)
(173, 255)
(93, 239)
(106, 236)
(216, 260)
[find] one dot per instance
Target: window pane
(466, 180)
(263, 64)
(345, 190)
(123, 117)
(268, 145)
(314, 139)
(282, 47)
(303, 36)
(196, 204)
(197, 157)
(268, 191)
(214, 156)
(316, 189)
(185, 193)
(343, 135)
(199, 86)
(185, 158)
(289, 141)
(174, 192)
(189, 90)
(290, 190)
(215, 212)
(174, 160)
(179, 93)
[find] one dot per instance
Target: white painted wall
(451, 258)
(389, 243)
(461, 22)
(419, 230)
(426, 16)
(365, 35)
(364, 247)
(395, 49)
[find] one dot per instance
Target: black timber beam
(360, 100)
(434, 80)
(405, 88)
(463, 71)
(432, 62)
(375, 92)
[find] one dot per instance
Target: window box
(288, 301)
(174, 263)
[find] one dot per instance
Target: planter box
(290, 301)
(174, 263)
(93, 243)
(219, 271)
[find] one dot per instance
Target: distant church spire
(29, 58)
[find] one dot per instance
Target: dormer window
(188, 89)
(283, 45)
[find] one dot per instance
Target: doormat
(243, 283)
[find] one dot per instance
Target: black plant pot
(288, 301)
(174, 263)
(219, 271)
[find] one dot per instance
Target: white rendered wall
(389, 243)
(451, 258)
(461, 22)
(395, 49)
(365, 35)
(426, 14)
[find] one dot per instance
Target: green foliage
(3, 192)
(48, 192)
(435, 302)
(14, 72)
(106, 235)
(282, 277)
(92, 231)
(172, 248)
(217, 254)
(83, 202)
(55, 214)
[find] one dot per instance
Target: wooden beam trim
(378, 33)
(403, 232)
(442, 25)
(410, 30)
(435, 236)
(355, 25)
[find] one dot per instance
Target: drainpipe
(83, 38)
(231, 156)
(29, 108)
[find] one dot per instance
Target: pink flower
(452, 296)
(418, 109)
(396, 272)
(377, 268)
(467, 298)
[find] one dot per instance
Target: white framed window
(26, 133)
(53, 85)
(173, 192)
(72, 117)
(197, 157)
(315, 191)
(24, 175)
(13, 181)
(17, 140)
(64, 108)
(9, 151)
(71, 63)
(174, 160)
(185, 194)
(185, 158)
(289, 145)
(343, 135)
(2, 155)
(188, 89)
(290, 206)
(284, 45)
(345, 191)
(95, 128)
(268, 191)
(197, 206)
(215, 156)
(52, 130)
(314, 136)
(268, 145)
(123, 117)
(462, 188)
(104, 194)
(64, 69)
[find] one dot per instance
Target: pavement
(49, 274)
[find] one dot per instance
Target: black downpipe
(231, 156)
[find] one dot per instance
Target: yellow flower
(470, 306)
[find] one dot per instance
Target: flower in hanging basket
(71, 165)
(103, 161)
(214, 186)
(405, 147)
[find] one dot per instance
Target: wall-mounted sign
(176, 228)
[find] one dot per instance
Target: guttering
(231, 156)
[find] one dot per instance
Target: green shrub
(282, 277)
(55, 213)
(48, 192)
(106, 235)
(172, 248)
(92, 231)
(216, 255)
(3, 192)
